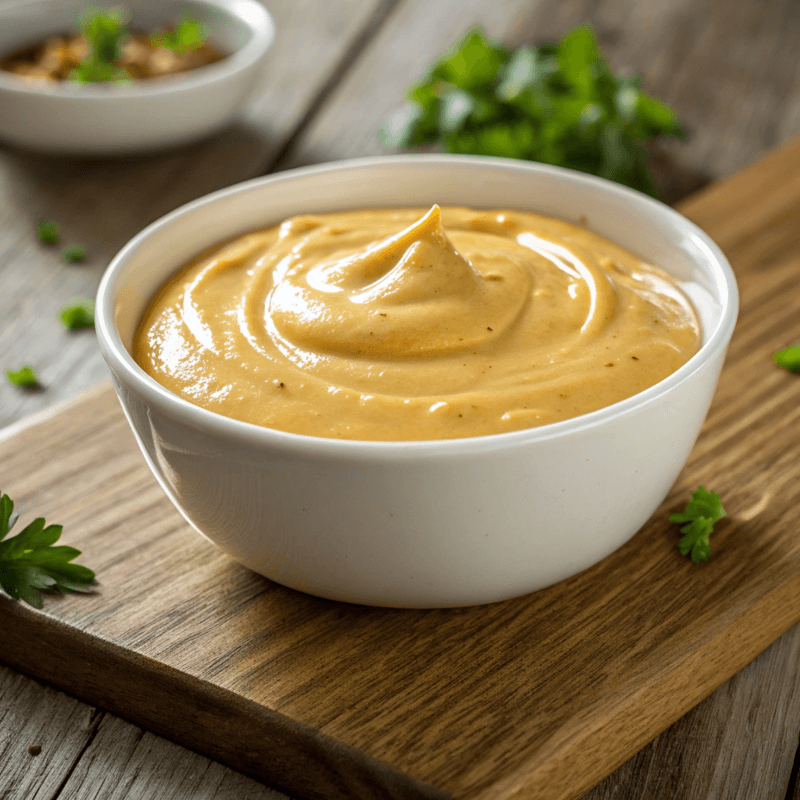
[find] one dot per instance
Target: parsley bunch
(30, 564)
(559, 103)
(704, 509)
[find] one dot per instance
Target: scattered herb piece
(73, 253)
(78, 314)
(24, 377)
(559, 103)
(788, 358)
(105, 30)
(48, 232)
(187, 35)
(704, 509)
(29, 564)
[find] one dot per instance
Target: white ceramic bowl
(420, 524)
(106, 119)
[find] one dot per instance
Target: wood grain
(44, 734)
(534, 698)
(56, 746)
(704, 756)
(119, 763)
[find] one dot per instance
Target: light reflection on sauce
(406, 325)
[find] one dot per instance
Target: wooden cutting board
(538, 697)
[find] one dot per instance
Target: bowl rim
(250, 12)
(252, 435)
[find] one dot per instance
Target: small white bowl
(66, 118)
(432, 523)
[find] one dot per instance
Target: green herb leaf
(105, 30)
(704, 509)
(7, 516)
(188, 35)
(78, 314)
(559, 103)
(474, 63)
(97, 72)
(788, 358)
(30, 564)
(73, 253)
(24, 377)
(48, 232)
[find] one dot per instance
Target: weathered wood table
(335, 73)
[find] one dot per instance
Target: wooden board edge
(194, 713)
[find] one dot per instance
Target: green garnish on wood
(558, 103)
(48, 232)
(25, 377)
(704, 509)
(788, 358)
(78, 314)
(188, 35)
(73, 253)
(30, 564)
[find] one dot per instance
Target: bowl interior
(27, 24)
(644, 226)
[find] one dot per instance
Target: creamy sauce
(378, 324)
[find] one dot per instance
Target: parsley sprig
(24, 377)
(187, 35)
(559, 103)
(30, 564)
(48, 232)
(788, 358)
(78, 314)
(704, 509)
(73, 253)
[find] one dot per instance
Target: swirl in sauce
(378, 324)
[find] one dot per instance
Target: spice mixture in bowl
(158, 74)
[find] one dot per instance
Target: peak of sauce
(410, 324)
(411, 294)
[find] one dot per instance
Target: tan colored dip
(377, 324)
